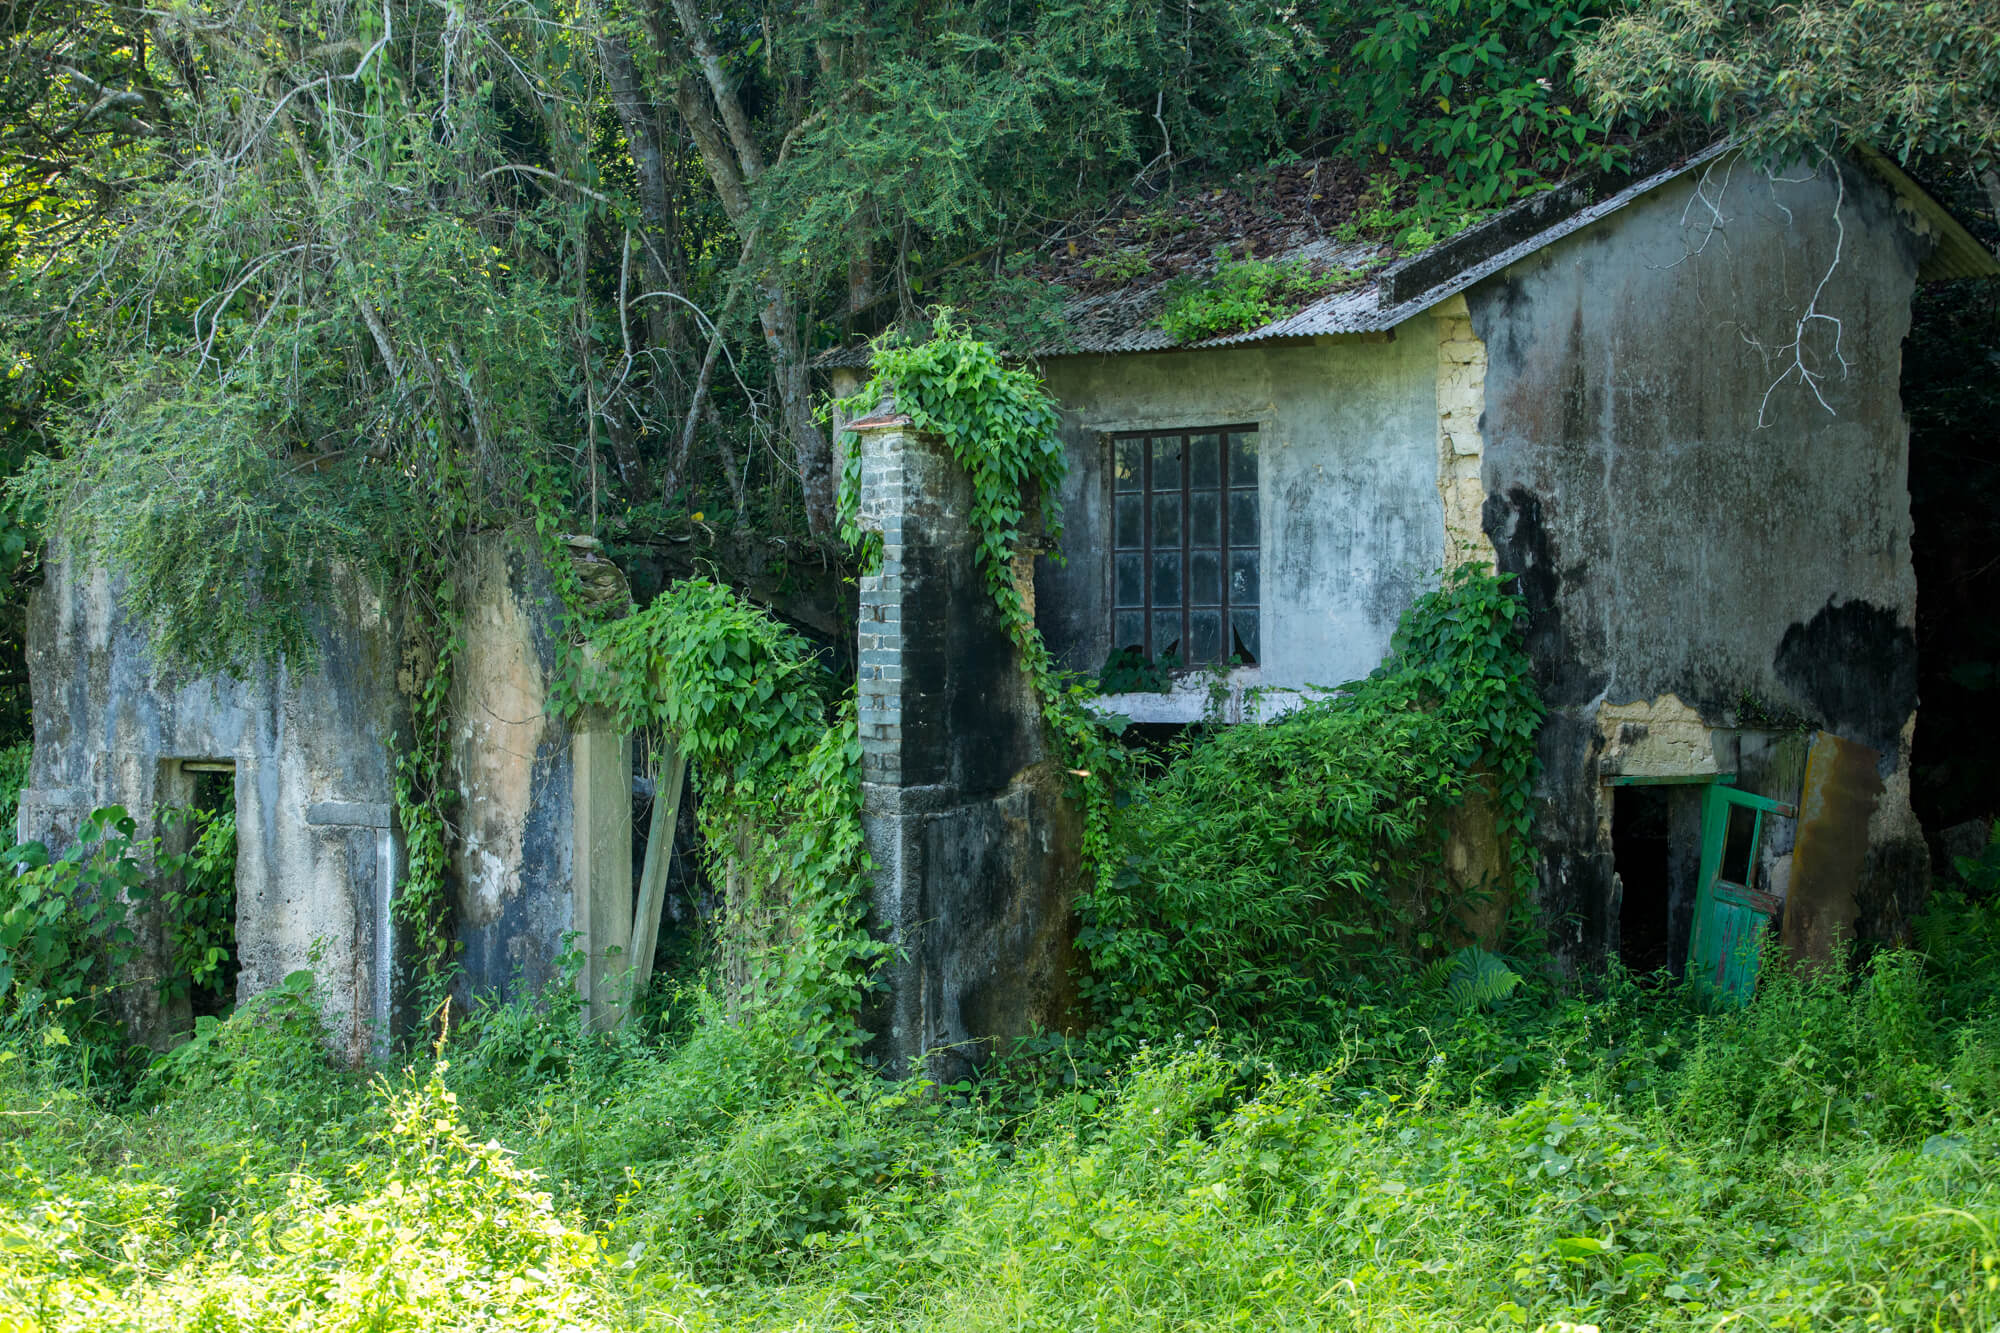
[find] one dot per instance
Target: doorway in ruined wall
(1656, 852)
(1700, 880)
(674, 905)
(197, 825)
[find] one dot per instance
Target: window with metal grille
(1184, 539)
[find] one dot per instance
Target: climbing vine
(1273, 874)
(746, 701)
(999, 424)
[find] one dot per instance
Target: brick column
(974, 843)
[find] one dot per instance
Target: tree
(1913, 78)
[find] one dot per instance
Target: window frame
(1225, 606)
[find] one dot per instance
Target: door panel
(1731, 918)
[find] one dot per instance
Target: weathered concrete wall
(529, 868)
(1686, 519)
(510, 757)
(1352, 522)
(974, 844)
(315, 854)
(318, 859)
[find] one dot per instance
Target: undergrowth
(1826, 1157)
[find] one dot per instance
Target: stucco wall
(1686, 519)
(313, 783)
(512, 760)
(1351, 520)
(318, 858)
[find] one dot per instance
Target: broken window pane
(1167, 634)
(1243, 625)
(1128, 630)
(1128, 462)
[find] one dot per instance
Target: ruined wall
(1352, 521)
(315, 854)
(975, 846)
(318, 857)
(1686, 519)
(511, 758)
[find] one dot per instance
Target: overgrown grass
(1828, 1157)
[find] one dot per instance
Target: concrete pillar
(601, 891)
(974, 843)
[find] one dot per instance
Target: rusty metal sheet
(1842, 785)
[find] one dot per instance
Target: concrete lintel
(57, 798)
(350, 814)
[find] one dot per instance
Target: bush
(1270, 869)
(1241, 294)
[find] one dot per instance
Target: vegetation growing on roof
(1243, 294)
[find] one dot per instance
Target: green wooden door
(1731, 918)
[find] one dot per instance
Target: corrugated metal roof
(1128, 319)
(1958, 253)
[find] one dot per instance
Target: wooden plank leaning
(653, 878)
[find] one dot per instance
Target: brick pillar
(974, 843)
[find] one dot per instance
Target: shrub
(1241, 294)
(1271, 867)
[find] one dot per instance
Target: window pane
(1243, 459)
(1167, 520)
(1243, 518)
(1166, 578)
(1130, 585)
(1166, 634)
(1166, 465)
(1127, 459)
(1204, 519)
(1130, 522)
(1204, 636)
(1128, 630)
(1204, 578)
(1243, 637)
(1204, 467)
(1242, 578)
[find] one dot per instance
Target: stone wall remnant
(975, 843)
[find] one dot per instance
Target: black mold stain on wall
(1856, 668)
(1525, 547)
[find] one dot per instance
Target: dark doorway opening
(198, 884)
(1952, 398)
(1656, 850)
(1641, 845)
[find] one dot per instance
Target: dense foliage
(1272, 873)
(778, 765)
(1472, 96)
(1914, 79)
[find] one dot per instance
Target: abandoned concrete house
(1669, 404)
